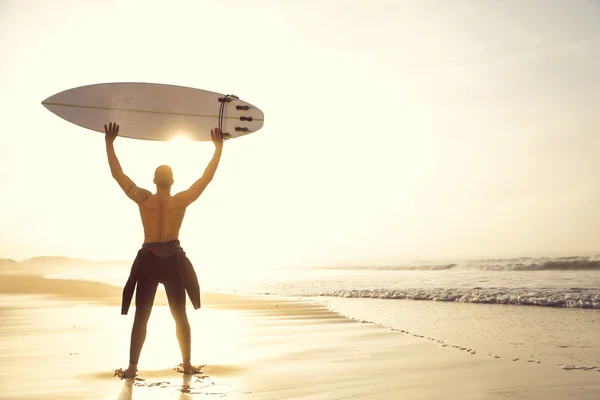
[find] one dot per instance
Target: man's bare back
(162, 215)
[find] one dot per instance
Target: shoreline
(110, 293)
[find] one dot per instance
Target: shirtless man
(161, 258)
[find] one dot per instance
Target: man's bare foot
(130, 372)
(190, 369)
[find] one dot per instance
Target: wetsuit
(165, 263)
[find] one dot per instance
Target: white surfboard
(151, 111)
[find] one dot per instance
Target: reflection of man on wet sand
(161, 258)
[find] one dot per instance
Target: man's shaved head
(163, 177)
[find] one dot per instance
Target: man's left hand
(112, 131)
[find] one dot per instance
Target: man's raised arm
(189, 196)
(140, 196)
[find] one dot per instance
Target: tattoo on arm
(140, 196)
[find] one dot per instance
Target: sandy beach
(63, 339)
(391, 200)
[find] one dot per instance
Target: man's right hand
(112, 130)
(216, 137)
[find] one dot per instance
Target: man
(161, 258)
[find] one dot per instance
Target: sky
(393, 129)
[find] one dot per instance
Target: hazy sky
(393, 129)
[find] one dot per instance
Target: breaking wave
(569, 298)
(570, 264)
(421, 267)
(514, 264)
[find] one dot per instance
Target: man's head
(163, 177)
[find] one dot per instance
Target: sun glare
(178, 145)
(180, 138)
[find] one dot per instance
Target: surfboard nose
(47, 100)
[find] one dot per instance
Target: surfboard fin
(228, 98)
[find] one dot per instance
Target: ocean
(569, 282)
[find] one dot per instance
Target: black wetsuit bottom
(153, 271)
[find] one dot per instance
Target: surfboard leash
(223, 100)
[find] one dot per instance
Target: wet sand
(63, 339)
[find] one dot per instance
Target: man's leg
(175, 291)
(144, 300)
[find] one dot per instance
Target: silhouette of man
(161, 258)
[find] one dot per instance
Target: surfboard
(153, 111)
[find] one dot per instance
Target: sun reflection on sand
(215, 339)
